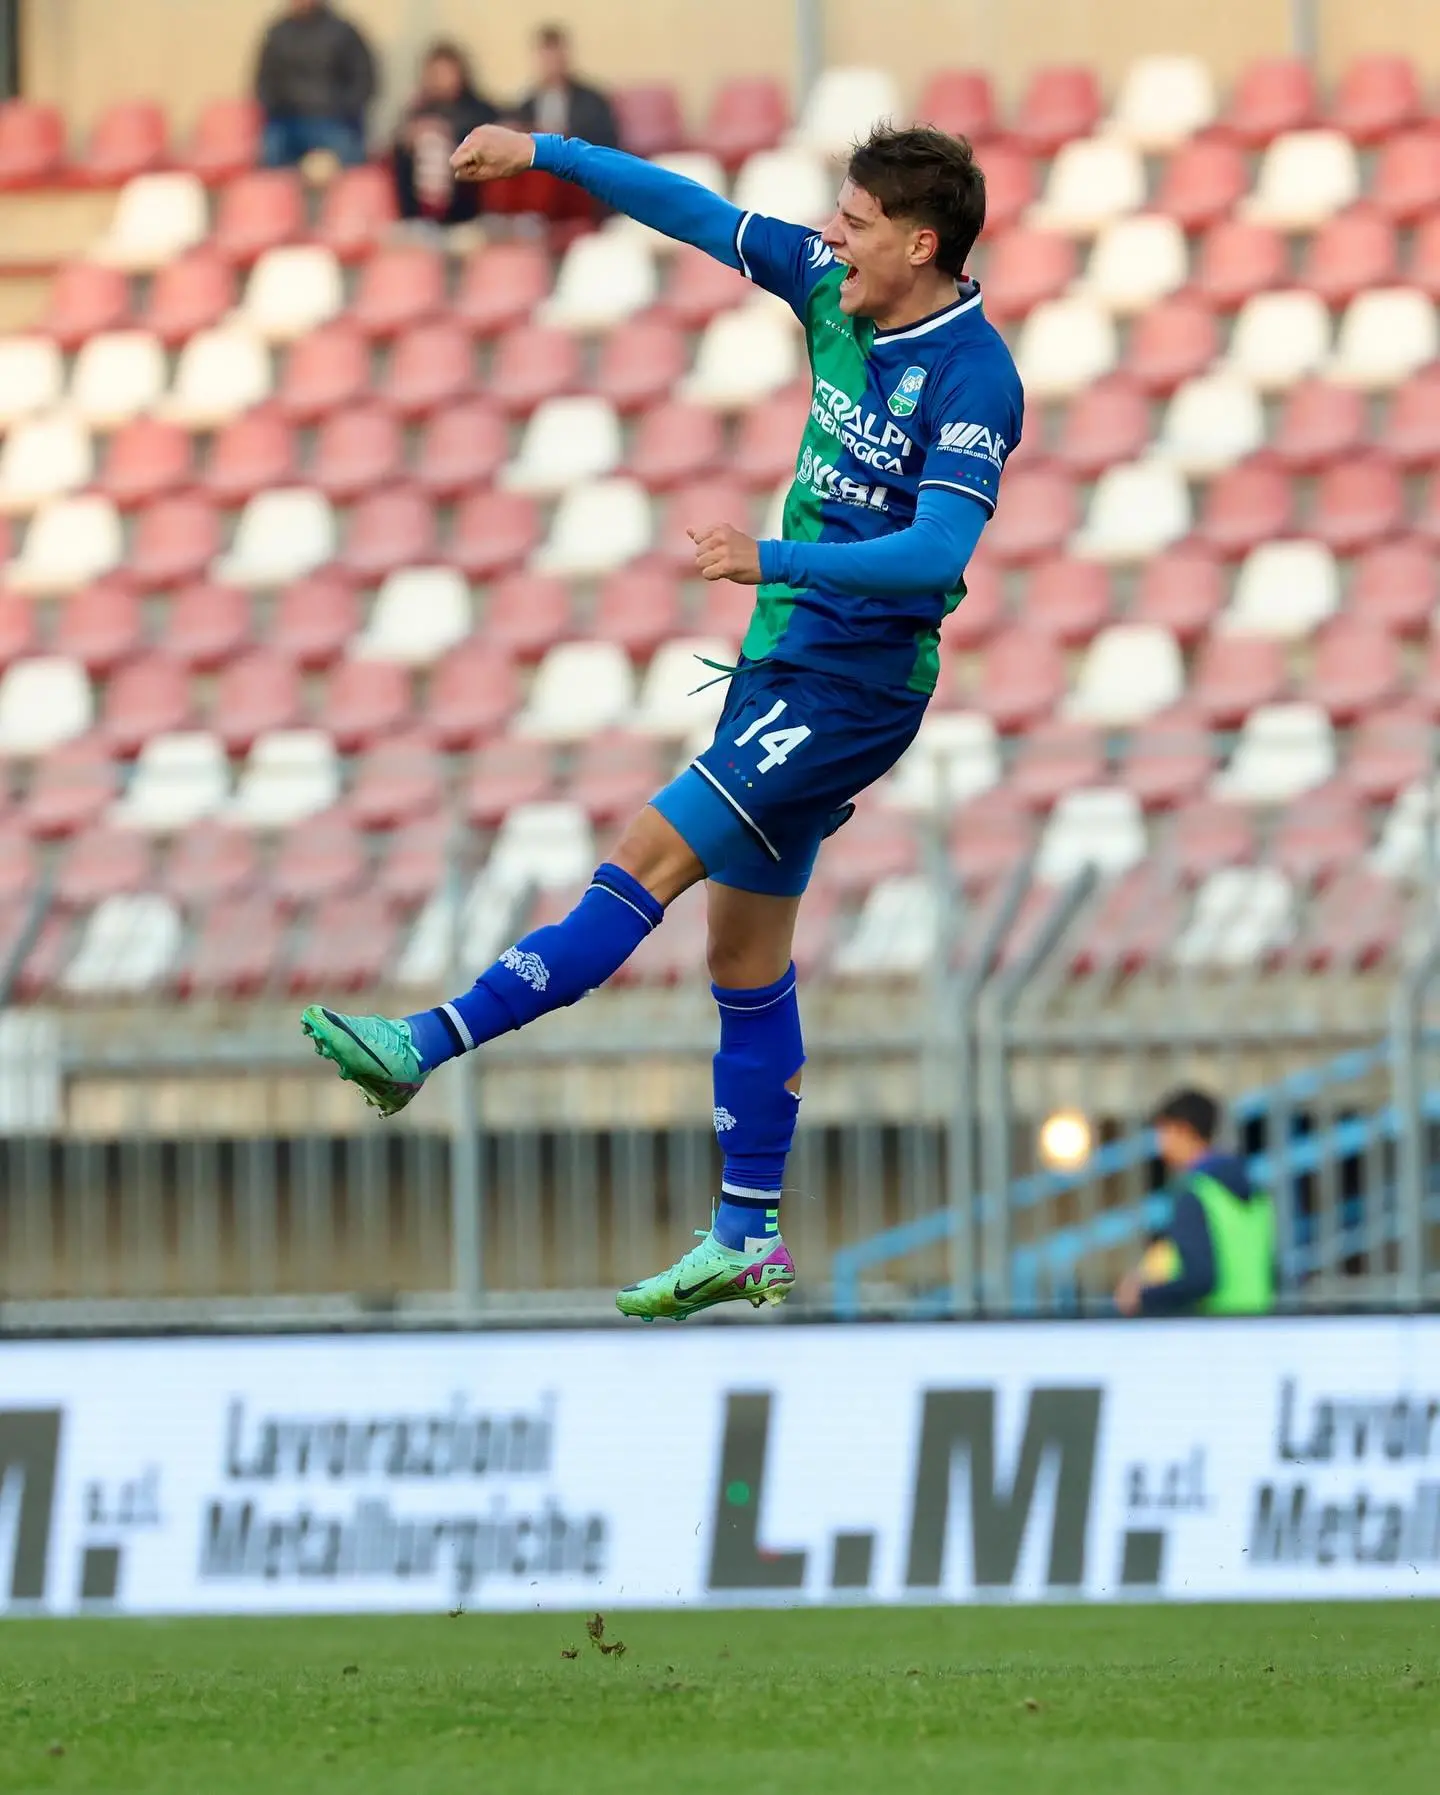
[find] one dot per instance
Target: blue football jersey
(938, 403)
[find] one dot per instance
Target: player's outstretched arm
(930, 555)
(669, 203)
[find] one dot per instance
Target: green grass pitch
(1152, 1700)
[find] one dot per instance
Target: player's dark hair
(925, 175)
(553, 37)
(1193, 1109)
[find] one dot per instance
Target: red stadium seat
(84, 300)
(1041, 511)
(1273, 95)
(1350, 252)
(1427, 520)
(130, 139)
(365, 700)
(1246, 505)
(1054, 757)
(1396, 586)
(640, 360)
(769, 438)
(1319, 424)
(1357, 921)
(1173, 341)
(226, 140)
(256, 693)
(1319, 834)
(147, 460)
(1391, 750)
(1067, 600)
(1406, 187)
(315, 618)
(1132, 927)
(359, 209)
(875, 844)
(430, 367)
(700, 288)
(1239, 259)
(962, 102)
(356, 451)
(388, 530)
(501, 286)
(679, 441)
(670, 955)
(236, 950)
(104, 863)
(100, 626)
(348, 946)
(533, 363)
(324, 371)
(1022, 678)
(1209, 835)
(1234, 675)
(1169, 759)
(190, 295)
(323, 857)
(19, 634)
(206, 625)
(175, 540)
(696, 504)
(989, 838)
(413, 866)
(73, 786)
(1025, 267)
(32, 144)
(463, 448)
(1009, 187)
(399, 288)
(398, 779)
(726, 610)
(648, 114)
(1060, 102)
(976, 619)
(1412, 431)
(19, 872)
(1358, 504)
(638, 607)
(473, 694)
(747, 115)
(1356, 668)
(505, 773)
(615, 775)
(258, 211)
(494, 533)
(211, 863)
(526, 614)
(1377, 96)
(1106, 423)
(249, 454)
(1202, 183)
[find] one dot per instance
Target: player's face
(879, 252)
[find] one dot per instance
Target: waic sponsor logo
(974, 439)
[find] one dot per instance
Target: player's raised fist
(724, 553)
(491, 152)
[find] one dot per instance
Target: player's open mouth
(852, 274)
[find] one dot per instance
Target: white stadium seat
(117, 376)
(44, 701)
(843, 107)
(179, 778)
(157, 218)
(1241, 914)
(897, 932)
(789, 184)
(550, 845)
(1279, 338)
(670, 704)
(1404, 848)
(1135, 262)
(221, 373)
(744, 356)
(130, 944)
(1098, 826)
(567, 440)
(603, 279)
(1065, 345)
(31, 377)
(1283, 750)
(42, 458)
(1136, 509)
(289, 774)
(282, 534)
(1130, 671)
(1305, 178)
(1092, 181)
(1212, 422)
(1386, 335)
(69, 542)
(597, 527)
(1285, 590)
(292, 290)
(1162, 101)
(420, 613)
(955, 757)
(580, 687)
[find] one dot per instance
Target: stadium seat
(1397, 586)
(430, 367)
(580, 687)
(693, 506)
(32, 144)
(1319, 424)
(785, 183)
(349, 945)
(226, 141)
(1135, 262)
(525, 614)
(1132, 670)
(398, 779)
(220, 373)
(954, 758)
(356, 452)
(1234, 675)
(100, 626)
(209, 864)
(1274, 95)
(116, 377)
(148, 459)
(1021, 679)
(1025, 268)
(1354, 251)
(677, 442)
(282, 534)
(532, 363)
(129, 943)
(70, 541)
(324, 372)
(648, 113)
(1357, 921)
(42, 458)
(747, 114)
(389, 529)
(680, 696)
(207, 624)
(1404, 850)
(1284, 590)
(258, 211)
(1092, 181)
(1357, 668)
(463, 447)
(1201, 184)
(597, 527)
(1279, 338)
(1386, 335)
(1163, 100)
(1210, 834)
(235, 950)
(1245, 506)
(494, 533)
(743, 356)
(1377, 96)
(31, 376)
(565, 442)
(1061, 102)
(1283, 750)
(639, 608)
(1243, 917)
(896, 934)
(1041, 511)
(174, 540)
(1096, 827)
(179, 779)
(504, 774)
(71, 788)
(1426, 521)
(400, 287)
(1172, 342)
(85, 299)
(156, 219)
(547, 844)
(1067, 600)
(640, 361)
(615, 774)
(876, 844)
(1130, 927)
(102, 863)
(1412, 430)
(256, 693)
(472, 695)
(1305, 177)
(603, 279)
(314, 618)
(1169, 759)
(1054, 757)
(419, 614)
(768, 438)
(251, 452)
(1065, 345)
(129, 139)
(1010, 187)
(1136, 509)
(148, 696)
(1212, 422)
(500, 287)
(292, 291)
(289, 776)
(358, 211)
(1358, 504)
(413, 866)
(843, 107)
(365, 700)
(1238, 260)
(1406, 184)
(700, 288)
(191, 294)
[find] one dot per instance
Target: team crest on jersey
(907, 393)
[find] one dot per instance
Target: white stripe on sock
(448, 1009)
(770, 1198)
(629, 903)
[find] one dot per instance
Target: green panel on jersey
(926, 671)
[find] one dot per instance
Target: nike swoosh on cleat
(682, 1295)
(341, 1023)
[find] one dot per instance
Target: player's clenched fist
(491, 152)
(724, 553)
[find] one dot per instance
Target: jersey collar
(967, 300)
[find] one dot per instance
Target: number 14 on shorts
(779, 744)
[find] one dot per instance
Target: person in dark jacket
(559, 102)
(315, 79)
(1217, 1255)
(442, 115)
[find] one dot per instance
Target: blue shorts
(792, 748)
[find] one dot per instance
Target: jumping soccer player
(916, 405)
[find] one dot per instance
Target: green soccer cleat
(370, 1051)
(711, 1274)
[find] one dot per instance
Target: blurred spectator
(315, 78)
(561, 103)
(444, 111)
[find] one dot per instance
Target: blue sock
(760, 1048)
(544, 971)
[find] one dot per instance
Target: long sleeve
(667, 202)
(267, 74)
(930, 556)
(355, 80)
(1189, 1234)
